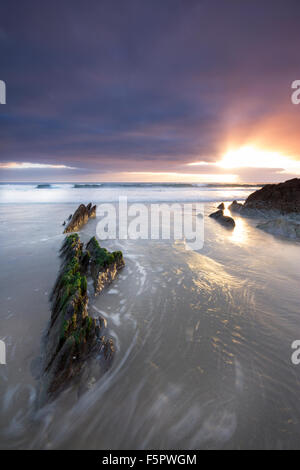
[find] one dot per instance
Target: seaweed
(101, 256)
(73, 334)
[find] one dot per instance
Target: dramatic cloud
(146, 87)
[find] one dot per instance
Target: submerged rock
(281, 227)
(104, 265)
(225, 220)
(73, 336)
(44, 186)
(235, 206)
(217, 214)
(80, 217)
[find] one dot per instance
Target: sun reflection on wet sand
(239, 233)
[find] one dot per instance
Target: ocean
(37, 193)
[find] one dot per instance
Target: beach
(203, 338)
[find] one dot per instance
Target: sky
(149, 90)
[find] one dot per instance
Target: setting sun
(251, 157)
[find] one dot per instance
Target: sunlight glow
(250, 157)
(152, 176)
(239, 234)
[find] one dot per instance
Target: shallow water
(203, 340)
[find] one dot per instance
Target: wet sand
(203, 340)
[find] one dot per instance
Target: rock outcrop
(104, 265)
(80, 217)
(221, 206)
(74, 336)
(282, 197)
(235, 207)
(271, 200)
(279, 204)
(225, 220)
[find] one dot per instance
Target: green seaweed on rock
(101, 256)
(73, 334)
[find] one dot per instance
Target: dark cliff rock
(74, 336)
(225, 220)
(104, 265)
(271, 199)
(221, 206)
(278, 205)
(282, 197)
(80, 217)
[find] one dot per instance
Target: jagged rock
(80, 217)
(282, 197)
(92, 212)
(225, 220)
(221, 206)
(104, 265)
(271, 200)
(282, 227)
(279, 204)
(217, 214)
(235, 206)
(73, 337)
(241, 209)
